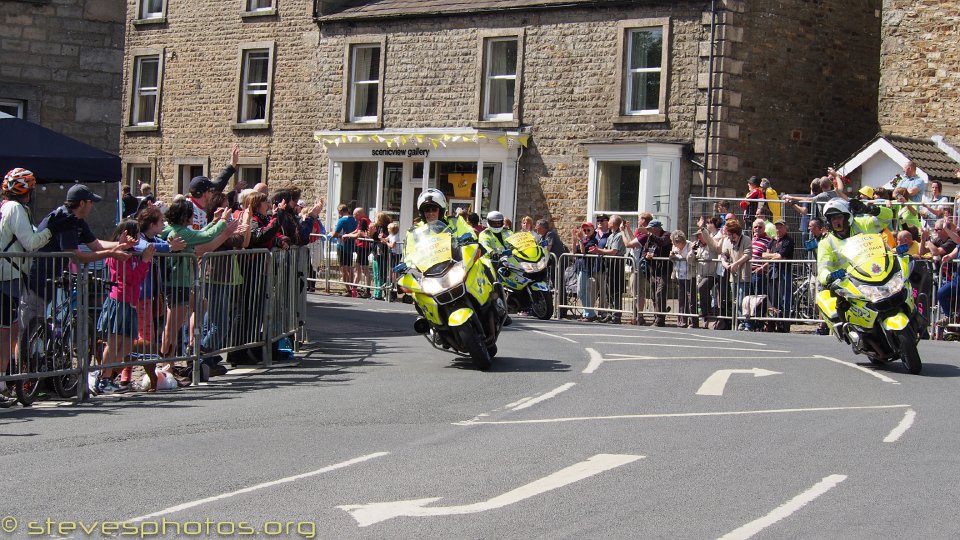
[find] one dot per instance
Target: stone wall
(798, 86)
(201, 41)
(65, 59)
(920, 66)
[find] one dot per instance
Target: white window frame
(19, 106)
(247, 164)
(131, 178)
(142, 91)
(247, 89)
(622, 108)
(252, 7)
(182, 163)
(355, 82)
(650, 156)
(144, 15)
(488, 78)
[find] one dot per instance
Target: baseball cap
(600, 216)
(655, 224)
(200, 185)
(753, 181)
(780, 221)
(586, 224)
(80, 192)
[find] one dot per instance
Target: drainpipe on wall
(706, 144)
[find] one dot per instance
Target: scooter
(872, 307)
(462, 308)
(522, 269)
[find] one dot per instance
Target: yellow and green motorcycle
(462, 307)
(522, 269)
(872, 307)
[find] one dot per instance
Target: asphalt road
(579, 431)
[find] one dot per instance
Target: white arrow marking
(715, 383)
(368, 514)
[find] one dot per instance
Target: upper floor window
(14, 107)
(139, 174)
(259, 5)
(152, 9)
(364, 85)
(256, 80)
(644, 70)
(146, 91)
(500, 78)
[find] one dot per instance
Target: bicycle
(50, 345)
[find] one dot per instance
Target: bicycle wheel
(32, 358)
(65, 356)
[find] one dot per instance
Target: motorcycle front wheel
(541, 305)
(476, 348)
(909, 353)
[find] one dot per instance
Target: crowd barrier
(362, 268)
(59, 324)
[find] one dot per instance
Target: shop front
(385, 171)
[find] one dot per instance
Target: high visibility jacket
(493, 242)
(830, 248)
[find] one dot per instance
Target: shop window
(393, 189)
(16, 108)
(500, 78)
(358, 184)
(643, 57)
(364, 86)
(256, 76)
(145, 95)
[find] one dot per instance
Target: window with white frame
(631, 179)
(16, 108)
(146, 90)
(187, 172)
(152, 9)
(643, 75)
(251, 175)
(364, 86)
(255, 86)
(259, 5)
(139, 174)
(500, 78)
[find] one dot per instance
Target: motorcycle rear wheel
(541, 305)
(909, 353)
(476, 348)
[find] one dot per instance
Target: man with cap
(201, 189)
(781, 274)
(655, 251)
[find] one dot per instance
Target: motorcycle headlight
(436, 285)
(875, 293)
(531, 268)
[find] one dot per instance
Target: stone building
(920, 70)
(549, 108)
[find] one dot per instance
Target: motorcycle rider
(493, 238)
(432, 205)
(831, 264)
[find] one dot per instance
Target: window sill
(149, 22)
(640, 119)
(140, 129)
(251, 125)
(260, 13)
(362, 125)
(497, 124)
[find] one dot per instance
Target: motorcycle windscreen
(867, 254)
(427, 247)
(524, 243)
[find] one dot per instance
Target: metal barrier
(71, 320)
(368, 274)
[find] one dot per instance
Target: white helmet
(495, 221)
(434, 197)
(836, 206)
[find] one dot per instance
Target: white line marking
(554, 335)
(785, 509)
(595, 360)
(698, 339)
(518, 402)
(614, 357)
(902, 427)
(880, 376)
(548, 395)
(288, 479)
(369, 514)
(245, 371)
(716, 383)
(680, 415)
(647, 344)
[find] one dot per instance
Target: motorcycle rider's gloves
(858, 207)
(837, 274)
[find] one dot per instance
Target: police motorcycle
(869, 304)
(521, 266)
(462, 308)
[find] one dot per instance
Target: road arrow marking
(368, 514)
(715, 383)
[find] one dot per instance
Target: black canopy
(53, 157)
